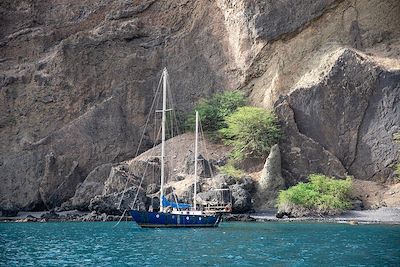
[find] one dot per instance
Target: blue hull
(160, 219)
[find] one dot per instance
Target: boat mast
(195, 160)
(164, 108)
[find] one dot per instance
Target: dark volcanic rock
(300, 154)
(204, 167)
(9, 213)
(239, 218)
(50, 215)
(271, 22)
(338, 125)
(77, 79)
(152, 188)
(241, 199)
(76, 94)
(132, 173)
(222, 181)
(91, 187)
(116, 203)
(247, 183)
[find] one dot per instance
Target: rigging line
(171, 104)
(203, 140)
(123, 214)
(176, 200)
(155, 136)
(148, 116)
(141, 180)
(172, 119)
(141, 138)
(172, 101)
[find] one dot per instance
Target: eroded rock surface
(91, 187)
(77, 80)
(271, 180)
(344, 124)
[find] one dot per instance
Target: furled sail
(176, 205)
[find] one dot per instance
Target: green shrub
(213, 111)
(396, 137)
(231, 170)
(321, 195)
(251, 131)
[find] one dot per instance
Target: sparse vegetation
(231, 170)
(321, 195)
(396, 138)
(251, 131)
(213, 111)
(398, 170)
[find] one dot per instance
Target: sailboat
(174, 214)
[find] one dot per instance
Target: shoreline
(384, 215)
(63, 216)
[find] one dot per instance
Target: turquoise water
(232, 244)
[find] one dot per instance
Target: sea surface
(232, 244)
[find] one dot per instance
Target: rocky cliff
(77, 79)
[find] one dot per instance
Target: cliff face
(77, 79)
(333, 79)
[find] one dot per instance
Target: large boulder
(213, 197)
(132, 173)
(51, 192)
(91, 187)
(222, 181)
(205, 168)
(121, 191)
(241, 199)
(116, 203)
(343, 123)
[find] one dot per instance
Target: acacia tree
(251, 131)
(213, 111)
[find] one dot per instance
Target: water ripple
(232, 244)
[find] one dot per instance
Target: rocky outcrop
(204, 168)
(252, 24)
(241, 199)
(369, 26)
(344, 123)
(77, 80)
(91, 187)
(133, 173)
(116, 203)
(209, 194)
(271, 180)
(81, 84)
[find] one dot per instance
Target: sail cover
(167, 203)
